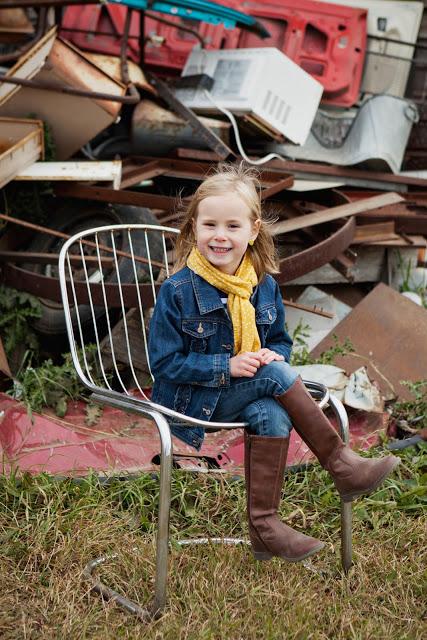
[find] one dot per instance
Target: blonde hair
(244, 182)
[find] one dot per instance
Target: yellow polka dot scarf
(239, 289)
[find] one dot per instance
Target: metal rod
(304, 307)
(65, 236)
(346, 507)
(134, 98)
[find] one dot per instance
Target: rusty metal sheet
(389, 335)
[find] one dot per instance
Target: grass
(50, 529)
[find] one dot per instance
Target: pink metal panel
(121, 444)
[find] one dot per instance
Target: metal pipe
(346, 507)
(66, 236)
(162, 542)
(95, 95)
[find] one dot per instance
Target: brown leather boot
(265, 460)
(353, 475)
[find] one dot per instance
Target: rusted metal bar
(134, 174)
(304, 307)
(104, 194)
(335, 213)
(48, 287)
(212, 140)
(277, 187)
(197, 169)
(65, 236)
(305, 261)
(95, 95)
(50, 258)
(124, 67)
(335, 171)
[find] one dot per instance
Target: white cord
(232, 119)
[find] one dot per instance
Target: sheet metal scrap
(389, 335)
(120, 445)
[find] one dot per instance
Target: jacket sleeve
(278, 338)
(170, 360)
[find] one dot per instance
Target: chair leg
(162, 544)
(162, 538)
(346, 507)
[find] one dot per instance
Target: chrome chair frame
(143, 406)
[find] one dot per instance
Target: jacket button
(200, 328)
(270, 317)
(207, 412)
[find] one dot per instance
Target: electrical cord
(232, 119)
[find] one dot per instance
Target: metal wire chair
(109, 278)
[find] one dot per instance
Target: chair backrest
(109, 278)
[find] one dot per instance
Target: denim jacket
(191, 343)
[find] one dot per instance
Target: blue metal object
(200, 10)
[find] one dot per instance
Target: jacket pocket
(199, 331)
(264, 319)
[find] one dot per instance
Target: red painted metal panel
(327, 40)
(123, 444)
(170, 54)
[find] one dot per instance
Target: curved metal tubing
(346, 511)
(161, 415)
(162, 542)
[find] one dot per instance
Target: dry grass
(49, 530)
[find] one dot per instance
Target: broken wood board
(335, 213)
(85, 170)
(389, 336)
(21, 144)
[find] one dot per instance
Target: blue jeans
(252, 400)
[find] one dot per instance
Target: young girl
(219, 351)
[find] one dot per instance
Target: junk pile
(111, 110)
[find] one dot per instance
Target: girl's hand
(245, 364)
(266, 356)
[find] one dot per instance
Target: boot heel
(262, 555)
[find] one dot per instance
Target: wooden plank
(335, 213)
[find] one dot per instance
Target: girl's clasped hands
(245, 365)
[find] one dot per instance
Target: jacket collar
(207, 296)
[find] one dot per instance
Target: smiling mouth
(220, 249)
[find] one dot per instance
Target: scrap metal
(391, 344)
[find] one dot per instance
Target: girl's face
(223, 229)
